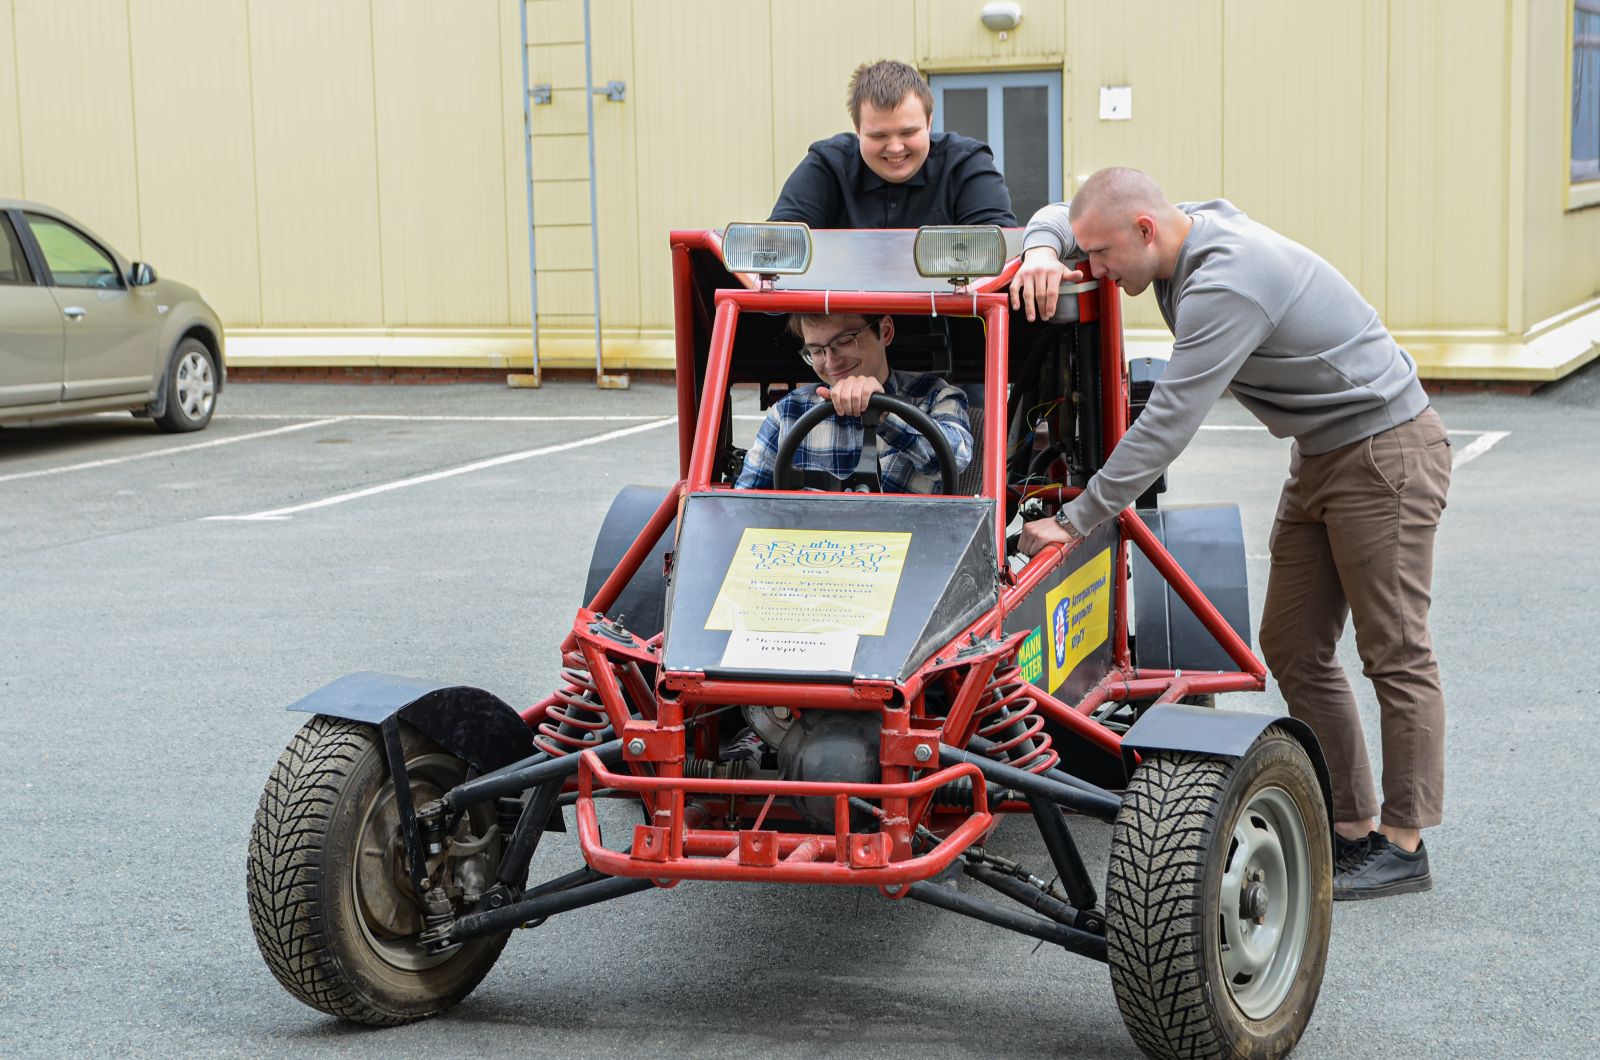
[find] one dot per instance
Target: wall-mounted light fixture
(1001, 16)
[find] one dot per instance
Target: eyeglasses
(839, 345)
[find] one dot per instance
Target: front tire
(330, 899)
(1219, 901)
(191, 388)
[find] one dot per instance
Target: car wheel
(330, 894)
(191, 388)
(1219, 901)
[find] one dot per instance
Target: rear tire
(1219, 901)
(330, 900)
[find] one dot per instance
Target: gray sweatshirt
(1256, 313)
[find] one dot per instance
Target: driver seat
(970, 481)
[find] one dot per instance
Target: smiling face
(864, 353)
(894, 143)
(1122, 250)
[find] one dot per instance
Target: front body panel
(823, 587)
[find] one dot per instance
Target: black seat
(970, 481)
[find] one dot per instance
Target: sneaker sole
(1358, 894)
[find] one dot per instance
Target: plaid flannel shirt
(906, 460)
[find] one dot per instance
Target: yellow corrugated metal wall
(1561, 266)
(358, 163)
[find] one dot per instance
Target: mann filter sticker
(1079, 611)
(749, 650)
(1030, 656)
(811, 581)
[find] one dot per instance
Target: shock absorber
(1010, 719)
(575, 718)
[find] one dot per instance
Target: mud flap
(642, 605)
(476, 726)
(1223, 733)
(1208, 543)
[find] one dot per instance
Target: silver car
(82, 329)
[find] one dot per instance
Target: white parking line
(1478, 446)
(109, 461)
(417, 480)
(1481, 443)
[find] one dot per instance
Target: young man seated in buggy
(849, 354)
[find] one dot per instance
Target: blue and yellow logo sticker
(1079, 615)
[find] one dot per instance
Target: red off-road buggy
(906, 681)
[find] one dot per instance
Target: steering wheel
(784, 471)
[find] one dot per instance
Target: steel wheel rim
(379, 876)
(1265, 903)
(196, 388)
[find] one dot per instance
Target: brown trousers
(1354, 536)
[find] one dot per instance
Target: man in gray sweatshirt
(1257, 314)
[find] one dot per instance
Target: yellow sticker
(1079, 611)
(811, 581)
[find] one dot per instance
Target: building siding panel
(10, 145)
(440, 163)
(704, 142)
(76, 115)
(316, 163)
(1447, 195)
(197, 193)
(1168, 53)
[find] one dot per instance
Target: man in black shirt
(892, 172)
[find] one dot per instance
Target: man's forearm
(1049, 228)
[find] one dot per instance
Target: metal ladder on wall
(539, 95)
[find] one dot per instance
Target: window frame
(8, 224)
(1583, 193)
(48, 274)
(995, 85)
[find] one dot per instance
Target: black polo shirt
(833, 187)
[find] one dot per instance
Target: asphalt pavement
(164, 597)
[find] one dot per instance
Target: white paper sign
(1116, 102)
(752, 650)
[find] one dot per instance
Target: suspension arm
(518, 777)
(1102, 806)
(494, 921)
(1068, 938)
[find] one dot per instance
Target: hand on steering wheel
(783, 469)
(851, 394)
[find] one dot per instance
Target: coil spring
(1011, 720)
(575, 720)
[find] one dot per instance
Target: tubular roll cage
(919, 755)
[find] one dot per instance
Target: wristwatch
(1066, 524)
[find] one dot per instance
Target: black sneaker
(1384, 869)
(1348, 853)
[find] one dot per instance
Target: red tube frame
(696, 853)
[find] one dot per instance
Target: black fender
(1208, 543)
(642, 607)
(1222, 733)
(477, 727)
